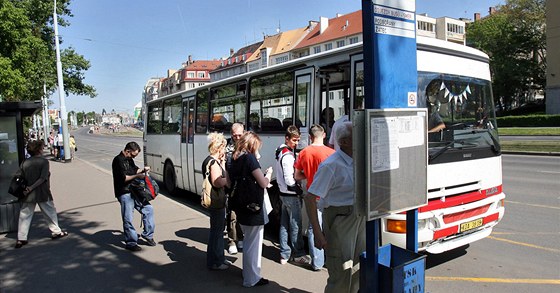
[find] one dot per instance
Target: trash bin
(401, 270)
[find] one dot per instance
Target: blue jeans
(290, 228)
(317, 255)
(215, 251)
(128, 205)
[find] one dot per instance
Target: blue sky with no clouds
(129, 41)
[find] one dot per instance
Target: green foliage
(529, 121)
(27, 54)
(515, 39)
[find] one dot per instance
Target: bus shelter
(12, 153)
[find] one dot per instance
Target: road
(522, 255)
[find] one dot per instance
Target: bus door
(304, 89)
(334, 94)
(187, 146)
(357, 93)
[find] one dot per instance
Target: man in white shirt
(343, 233)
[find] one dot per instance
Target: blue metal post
(390, 76)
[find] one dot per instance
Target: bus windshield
(460, 113)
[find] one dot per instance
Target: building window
(281, 59)
(201, 75)
(316, 49)
(426, 26)
(340, 43)
(328, 46)
(353, 40)
(236, 59)
(190, 74)
(455, 28)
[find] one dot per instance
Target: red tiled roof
(203, 65)
(337, 29)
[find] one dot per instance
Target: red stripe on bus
(454, 229)
(452, 201)
(465, 214)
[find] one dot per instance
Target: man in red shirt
(306, 165)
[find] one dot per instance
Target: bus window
(202, 111)
(171, 116)
(359, 93)
(227, 106)
(187, 122)
(304, 92)
(153, 126)
(272, 102)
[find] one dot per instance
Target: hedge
(529, 121)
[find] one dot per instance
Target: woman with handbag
(36, 172)
(215, 258)
(247, 202)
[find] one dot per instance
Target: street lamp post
(63, 114)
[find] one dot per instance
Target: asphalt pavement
(93, 259)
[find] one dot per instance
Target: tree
(515, 39)
(27, 54)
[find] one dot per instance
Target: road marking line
(524, 244)
(497, 280)
(533, 205)
(527, 233)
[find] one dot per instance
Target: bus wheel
(169, 179)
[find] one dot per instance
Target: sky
(129, 41)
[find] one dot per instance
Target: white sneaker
(302, 260)
(240, 244)
(283, 261)
(232, 249)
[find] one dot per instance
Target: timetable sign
(393, 17)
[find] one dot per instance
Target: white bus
(464, 173)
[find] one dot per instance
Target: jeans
(215, 250)
(128, 205)
(290, 228)
(317, 255)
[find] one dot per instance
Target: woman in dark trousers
(37, 175)
(245, 169)
(215, 258)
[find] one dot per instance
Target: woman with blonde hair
(215, 258)
(247, 202)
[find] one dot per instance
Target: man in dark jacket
(124, 171)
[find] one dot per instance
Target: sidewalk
(93, 259)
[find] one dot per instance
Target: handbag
(18, 184)
(212, 197)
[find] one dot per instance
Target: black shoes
(262, 282)
(150, 241)
(133, 248)
(20, 243)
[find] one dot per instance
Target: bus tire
(169, 178)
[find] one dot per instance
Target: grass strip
(544, 131)
(531, 146)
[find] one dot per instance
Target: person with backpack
(291, 238)
(124, 172)
(218, 178)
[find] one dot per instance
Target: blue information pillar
(391, 78)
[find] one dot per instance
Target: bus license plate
(470, 225)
